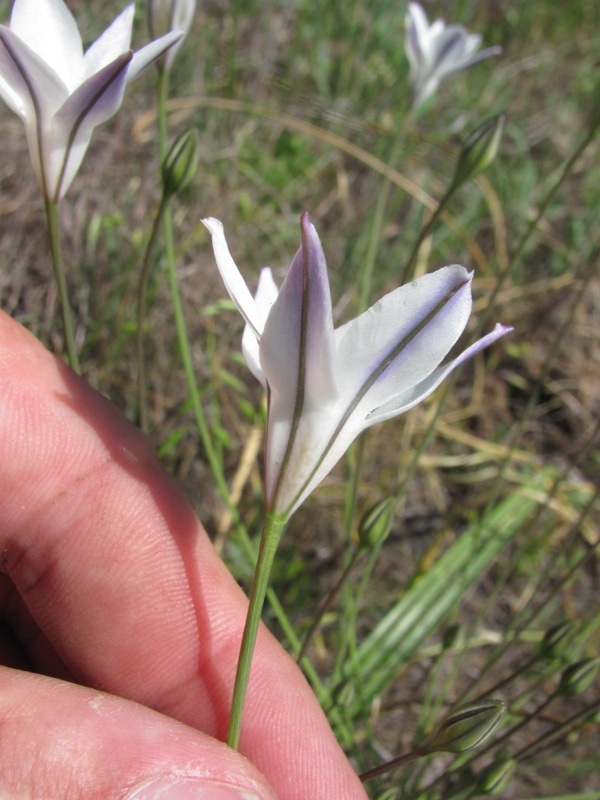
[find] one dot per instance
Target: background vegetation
(487, 581)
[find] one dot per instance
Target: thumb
(65, 741)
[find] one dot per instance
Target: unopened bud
(467, 727)
(374, 526)
(553, 640)
(479, 150)
(578, 677)
(181, 163)
(496, 779)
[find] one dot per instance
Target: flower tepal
(60, 92)
(326, 385)
(169, 15)
(438, 50)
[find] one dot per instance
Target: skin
(119, 624)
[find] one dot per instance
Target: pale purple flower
(169, 15)
(60, 92)
(325, 385)
(438, 50)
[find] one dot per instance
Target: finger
(123, 582)
(65, 741)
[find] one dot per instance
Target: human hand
(121, 626)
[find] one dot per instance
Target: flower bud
(578, 677)
(553, 640)
(467, 727)
(496, 779)
(181, 163)
(374, 526)
(479, 150)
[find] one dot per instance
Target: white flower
(169, 15)
(438, 50)
(60, 92)
(324, 385)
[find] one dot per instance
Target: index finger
(124, 583)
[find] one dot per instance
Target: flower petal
(150, 52)
(112, 43)
(407, 399)
(33, 91)
(50, 30)
(232, 277)
(297, 349)
(477, 57)
(403, 337)
(170, 15)
(67, 139)
(297, 356)
(27, 84)
(417, 36)
(265, 296)
(326, 440)
(448, 50)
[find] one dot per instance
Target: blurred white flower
(169, 15)
(60, 92)
(438, 50)
(324, 385)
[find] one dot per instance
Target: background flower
(60, 92)
(438, 50)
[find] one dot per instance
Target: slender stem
(377, 220)
(426, 230)
(395, 762)
(182, 337)
(52, 216)
(141, 315)
(162, 93)
(272, 530)
(326, 603)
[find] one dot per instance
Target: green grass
(494, 538)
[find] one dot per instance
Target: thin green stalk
(548, 738)
(395, 762)
(376, 225)
(326, 603)
(141, 315)
(426, 230)
(272, 530)
(52, 216)
(532, 227)
(162, 93)
(182, 337)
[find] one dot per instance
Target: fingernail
(188, 788)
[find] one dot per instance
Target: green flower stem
(52, 216)
(378, 218)
(395, 762)
(533, 225)
(426, 230)
(272, 530)
(383, 196)
(326, 603)
(182, 337)
(162, 94)
(141, 315)
(551, 735)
